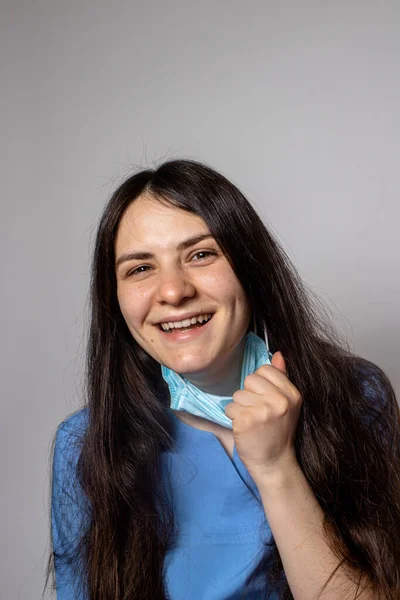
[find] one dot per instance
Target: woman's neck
(225, 381)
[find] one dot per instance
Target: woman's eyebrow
(148, 255)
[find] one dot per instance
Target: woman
(209, 463)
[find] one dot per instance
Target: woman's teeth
(202, 319)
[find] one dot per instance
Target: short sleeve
(70, 513)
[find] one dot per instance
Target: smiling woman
(226, 422)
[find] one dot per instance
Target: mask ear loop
(270, 355)
(265, 333)
(266, 339)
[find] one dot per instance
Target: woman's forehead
(149, 222)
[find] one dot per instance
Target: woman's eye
(203, 252)
(136, 271)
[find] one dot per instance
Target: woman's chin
(187, 368)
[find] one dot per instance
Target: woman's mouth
(186, 331)
(186, 325)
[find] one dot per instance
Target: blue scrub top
(218, 511)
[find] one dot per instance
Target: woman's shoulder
(69, 437)
(374, 382)
(74, 425)
(379, 408)
(76, 422)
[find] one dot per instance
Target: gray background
(297, 102)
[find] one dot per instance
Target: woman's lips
(184, 334)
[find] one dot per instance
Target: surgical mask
(187, 397)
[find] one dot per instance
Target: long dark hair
(348, 437)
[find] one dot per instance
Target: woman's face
(171, 278)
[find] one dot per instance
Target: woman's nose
(174, 286)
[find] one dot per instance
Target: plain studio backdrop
(296, 102)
